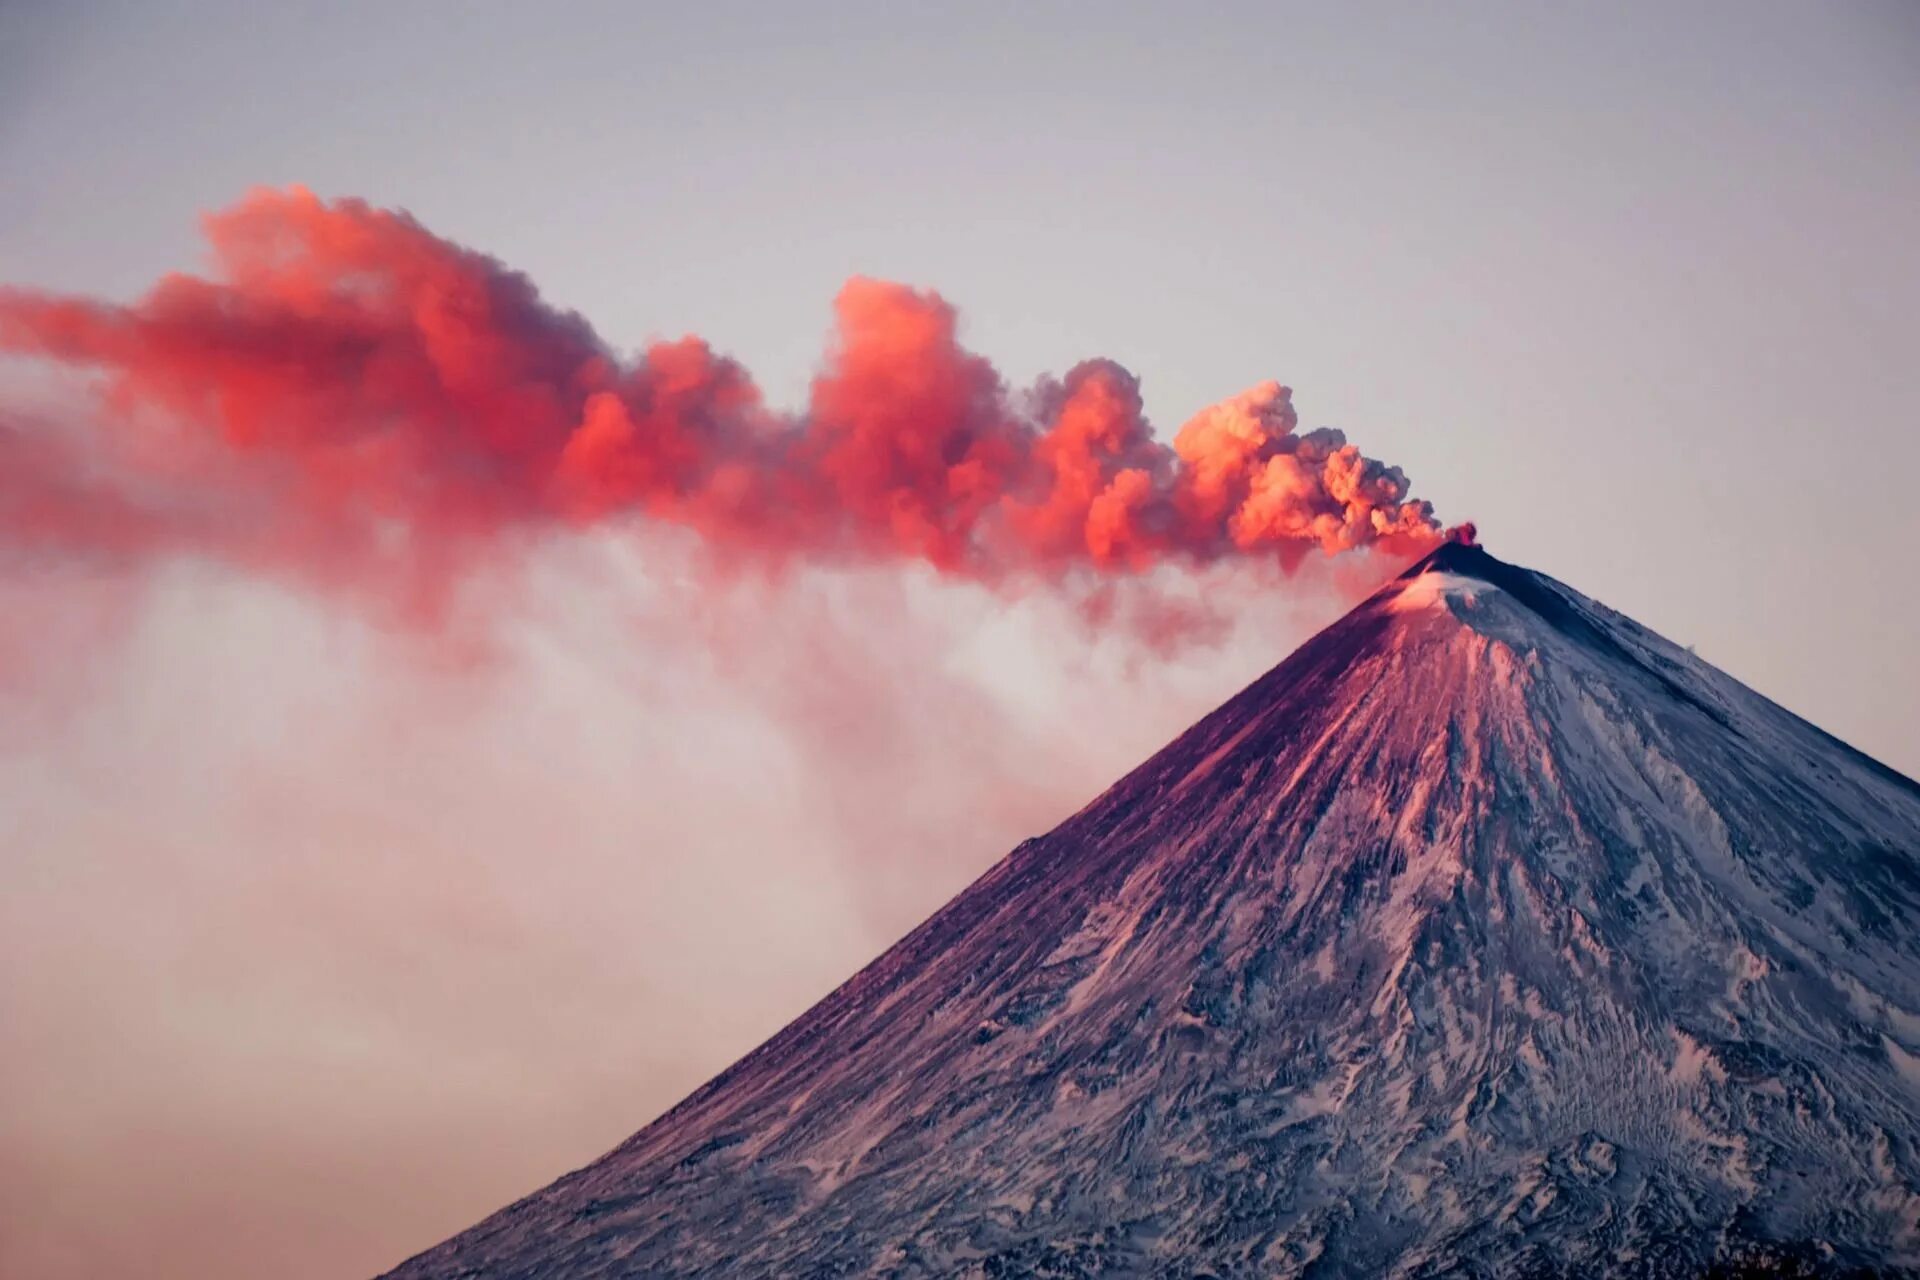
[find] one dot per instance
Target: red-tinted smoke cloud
(349, 396)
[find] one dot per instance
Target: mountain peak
(1459, 570)
(1529, 946)
(1458, 554)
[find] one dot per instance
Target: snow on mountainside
(1488, 934)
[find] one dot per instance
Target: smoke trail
(350, 399)
(349, 403)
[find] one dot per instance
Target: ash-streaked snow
(1437, 590)
(1488, 934)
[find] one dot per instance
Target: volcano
(1488, 934)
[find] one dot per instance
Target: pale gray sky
(1631, 286)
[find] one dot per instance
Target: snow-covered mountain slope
(1488, 934)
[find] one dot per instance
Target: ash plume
(348, 398)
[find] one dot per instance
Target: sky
(325, 937)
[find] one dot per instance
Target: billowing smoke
(353, 400)
(683, 788)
